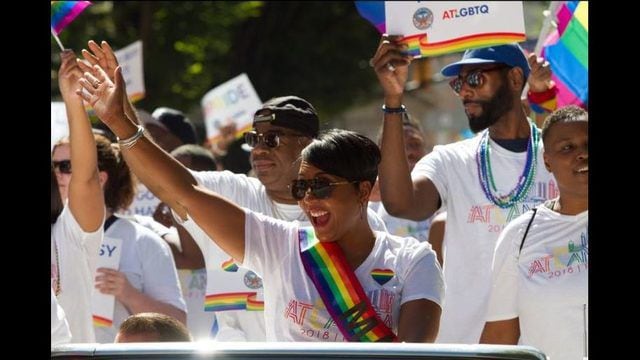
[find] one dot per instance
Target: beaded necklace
(518, 193)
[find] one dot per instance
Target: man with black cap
(483, 182)
(170, 128)
(281, 129)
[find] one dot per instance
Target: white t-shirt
(293, 308)
(77, 253)
(148, 264)
(60, 333)
(473, 226)
(546, 284)
(404, 227)
(250, 193)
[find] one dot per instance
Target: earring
(362, 211)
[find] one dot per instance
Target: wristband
(398, 110)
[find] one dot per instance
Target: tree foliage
(317, 50)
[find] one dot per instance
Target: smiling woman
(540, 268)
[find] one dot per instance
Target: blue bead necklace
(518, 193)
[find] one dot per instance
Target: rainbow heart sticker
(382, 276)
(230, 265)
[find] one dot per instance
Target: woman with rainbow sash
(335, 281)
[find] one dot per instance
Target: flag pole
(548, 25)
(57, 39)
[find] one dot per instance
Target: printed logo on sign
(465, 11)
(252, 281)
(422, 18)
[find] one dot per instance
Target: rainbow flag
(374, 12)
(99, 321)
(233, 301)
(64, 12)
(568, 55)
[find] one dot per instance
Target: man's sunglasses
(474, 78)
(64, 166)
(320, 187)
(270, 139)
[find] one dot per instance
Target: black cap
(177, 124)
(290, 112)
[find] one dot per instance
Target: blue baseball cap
(509, 54)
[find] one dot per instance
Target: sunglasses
(474, 78)
(271, 138)
(320, 187)
(64, 166)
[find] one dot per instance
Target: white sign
(438, 27)
(102, 304)
(59, 124)
(233, 102)
(130, 58)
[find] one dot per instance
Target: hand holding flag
(62, 14)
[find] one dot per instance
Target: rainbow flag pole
(57, 39)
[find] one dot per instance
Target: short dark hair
(344, 153)
(565, 114)
(201, 158)
(166, 328)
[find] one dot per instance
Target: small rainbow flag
(229, 265)
(99, 321)
(567, 50)
(64, 12)
(382, 276)
(340, 290)
(233, 301)
(374, 12)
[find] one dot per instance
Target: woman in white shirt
(540, 266)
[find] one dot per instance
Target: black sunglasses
(270, 139)
(320, 187)
(64, 166)
(474, 78)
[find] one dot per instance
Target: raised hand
(104, 95)
(102, 55)
(68, 74)
(540, 77)
(390, 65)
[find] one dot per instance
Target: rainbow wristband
(544, 101)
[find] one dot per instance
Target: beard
(492, 109)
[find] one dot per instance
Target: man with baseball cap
(482, 182)
(282, 127)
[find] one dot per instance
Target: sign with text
(130, 58)
(102, 305)
(233, 102)
(440, 27)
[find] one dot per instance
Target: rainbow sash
(341, 291)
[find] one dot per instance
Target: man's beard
(492, 109)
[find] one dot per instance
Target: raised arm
(165, 176)
(86, 200)
(104, 56)
(402, 197)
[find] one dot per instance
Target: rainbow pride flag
(233, 301)
(374, 12)
(64, 12)
(568, 53)
(99, 321)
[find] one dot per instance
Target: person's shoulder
(402, 246)
(458, 148)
